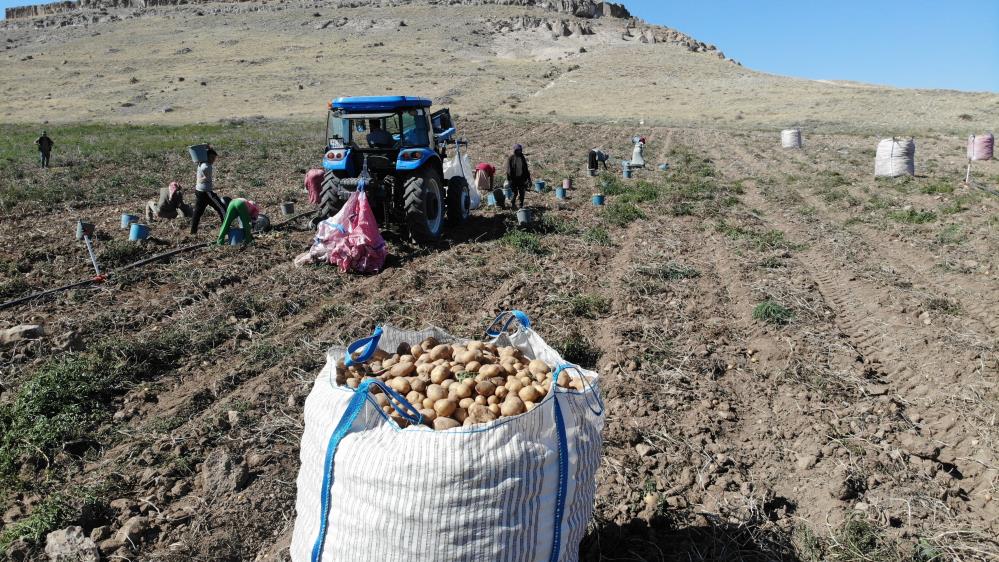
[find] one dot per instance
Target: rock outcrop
(39, 10)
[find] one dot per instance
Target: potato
(380, 354)
(447, 383)
(529, 393)
(423, 369)
(547, 384)
(481, 400)
(495, 409)
(469, 356)
(440, 352)
(429, 414)
(400, 385)
(445, 407)
(416, 351)
(473, 366)
(429, 343)
(440, 373)
(466, 402)
(480, 414)
(490, 347)
(407, 359)
(508, 351)
(428, 403)
(382, 400)
(402, 369)
(419, 384)
(490, 370)
(389, 362)
(341, 377)
(529, 406)
(353, 383)
(538, 367)
(509, 368)
(436, 392)
(492, 400)
(443, 424)
(514, 385)
(415, 398)
(461, 390)
(485, 388)
(461, 414)
(512, 406)
(404, 349)
(398, 419)
(501, 392)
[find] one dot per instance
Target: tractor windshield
(415, 128)
(364, 130)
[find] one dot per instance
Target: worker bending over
(247, 212)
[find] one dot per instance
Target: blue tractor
(398, 146)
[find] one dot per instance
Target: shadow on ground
(664, 540)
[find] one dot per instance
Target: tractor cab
(403, 144)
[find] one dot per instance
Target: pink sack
(314, 184)
(329, 233)
(363, 249)
(980, 147)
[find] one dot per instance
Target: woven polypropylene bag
(790, 138)
(517, 489)
(895, 158)
(980, 147)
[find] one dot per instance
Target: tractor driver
(379, 137)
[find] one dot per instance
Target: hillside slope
(214, 61)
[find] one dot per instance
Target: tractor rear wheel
(459, 201)
(424, 206)
(332, 196)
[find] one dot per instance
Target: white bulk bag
(517, 489)
(790, 138)
(895, 158)
(461, 166)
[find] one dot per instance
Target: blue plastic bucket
(524, 217)
(138, 231)
(560, 193)
(199, 153)
(127, 220)
(236, 236)
(593, 173)
(84, 229)
(539, 186)
(598, 199)
(663, 167)
(508, 191)
(627, 173)
(491, 200)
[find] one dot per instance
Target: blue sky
(908, 43)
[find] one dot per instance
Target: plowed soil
(798, 361)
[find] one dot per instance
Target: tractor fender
(427, 156)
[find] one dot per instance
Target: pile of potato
(456, 385)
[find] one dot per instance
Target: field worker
(171, 200)
(638, 154)
(247, 212)
(204, 192)
(45, 145)
(596, 157)
(518, 174)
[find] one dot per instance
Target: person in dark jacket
(45, 145)
(171, 200)
(518, 174)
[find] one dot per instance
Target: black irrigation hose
(139, 263)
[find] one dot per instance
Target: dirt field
(798, 361)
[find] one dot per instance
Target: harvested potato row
(455, 385)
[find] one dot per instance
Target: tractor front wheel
(424, 206)
(459, 201)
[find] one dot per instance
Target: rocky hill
(565, 60)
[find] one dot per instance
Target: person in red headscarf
(171, 201)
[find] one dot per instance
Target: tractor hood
(379, 103)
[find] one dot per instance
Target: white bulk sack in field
(461, 165)
(518, 489)
(790, 138)
(895, 158)
(980, 147)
